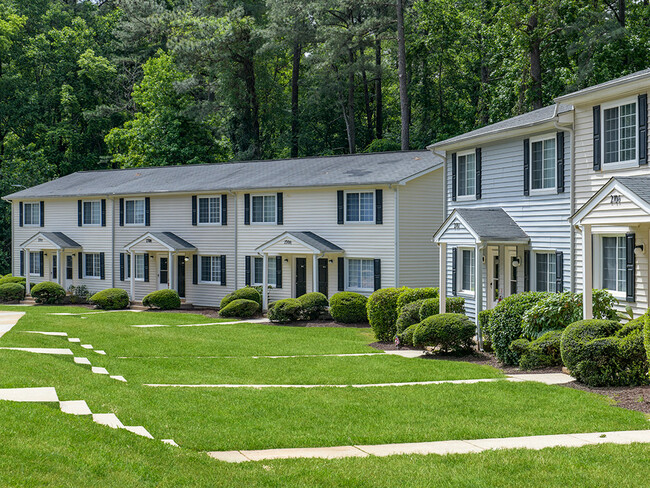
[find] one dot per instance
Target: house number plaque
(615, 199)
(288, 242)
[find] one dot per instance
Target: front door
(55, 268)
(163, 273)
(493, 269)
(181, 277)
(301, 276)
(322, 276)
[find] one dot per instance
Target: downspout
(396, 190)
(444, 179)
(112, 199)
(236, 220)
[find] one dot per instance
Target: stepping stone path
(81, 361)
(60, 334)
(8, 320)
(42, 350)
(251, 321)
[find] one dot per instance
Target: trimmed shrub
(111, 299)
(431, 306)
(313, 305)
(162, 299)
(505, 321)
(12, 279)
(448, 331)
(483, 320)
(409, 315)
(603, 353)
(349, 307)
(646, 334)
(12, 292)
(382, 312)
(78, 294)
(410, 295)
(540, 353)
(240, 308)
(284, 311)
(405, 338)
(246, 293)
(48, 292)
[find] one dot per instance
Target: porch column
(132, 255)
(587, 272)
(478, 292)
(170, 266)
(442, 290)
(59, 278)
(27, 272)
(265, 282)
(314, 272)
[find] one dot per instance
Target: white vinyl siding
(211, 269)
(258, 273)
(360, 206)
(209, 210)
(542, 164)
(467, 270)
(466, 175)
(32, 214)
(134, 212)
(263, 209)
(92, 265)
(360, 274)
(613, 263)
(619, 133)
(92, 212)
(35, 263)
(545, 272)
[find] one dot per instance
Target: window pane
(542, 272)
(367, 274)
(259, 271)
(139, 266)
(611, 135)
(536, 166)
(628, 132)
(204, 211)
(551, 273)
(470, 179)
(32, 214)
(34, 263)
(258, 210)
(352, 207)
(269, 209)
(272, 269)
(139, 211)
(609, 263)
(549, 164)
(91, 213)
(467, 281)
(367, 207)
(462, 182)
(354, 273)
(130, 212)
(622, 265)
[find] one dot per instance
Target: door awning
(51, 240)
(160, 241)
(481, 225)
(299, 243)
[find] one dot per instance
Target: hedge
(48, 292)
(447, 331)
(540, 353)
(349, 307)
(284, 311)
(313, 305)
(12, 292)
(111, 299)
(162, 299)
(405, 338)
(246, 293)
(382, 312)
(240, 308)
(410, 295)
(483, 320)
(431, 306)
(646, 334)
(409, 315)
(12, 279)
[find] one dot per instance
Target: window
(619, 131)
(209, 210)
(543, 164)
(134, 212)
(264, 209)
(92, 267)
(545, 271)
(466, 175)
(361, 274)
(32, 214)
(127, 267)
(614, 260)
(139, 266)
(468, 270)
(211, 269)
(35, 263)
(360, 206)
(92, 213)
(259, 271)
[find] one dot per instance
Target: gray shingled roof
(316, 241)
(173, 241)
(528, 119)
(348, 170)
(608, 84)
(639, 185)
(492, 224)
(57, 238)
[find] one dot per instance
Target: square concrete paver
(42, 350)
(59, 334)
(139, 430)
(308, 452)
(46, 394)
(228, 456)
(74, 339)
(440, 447)
(99, 370)
(108, 419)
(75, 407)
(529, 442)
(103, 353)
(170, 442)
(119, 378)
(87, 346)
(81, 361)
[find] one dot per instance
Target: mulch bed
(629, 397)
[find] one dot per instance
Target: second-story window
(209, 210)
(619, 133)
(360, 206)
(32, 214)
(263, 209)
(92, 213)
(543, 164)
(134, 212)
(466, 175)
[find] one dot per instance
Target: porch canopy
(47, 241)
(619, 208)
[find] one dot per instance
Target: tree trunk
(352, 144)
(379, 109)
(403, 81)
(366, 100)
(621, 13)
(535, 63)
(295, 76)
(254, 106)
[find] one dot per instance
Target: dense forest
(90, 84)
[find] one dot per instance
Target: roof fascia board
(599, 197)
(31, 239)
(282, 236)
(612, 89)
(455, 215)
(148, 235)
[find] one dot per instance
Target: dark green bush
(505, 324)
(406, 336)
(409, 315)
(111, 299)
(448, 331)
(646, 334)
(12, 292)
(78, 294)
(349, 307)
(431, 306)
(48, 292)
(604, 353)
(162, 299)
(483, 320)
(247, 293)
(382, 312)
(284, 311)
(241, 308)
(313, 305)
(12, 279)
(410, 295)
(540, 353)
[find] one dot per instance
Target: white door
(163, 272)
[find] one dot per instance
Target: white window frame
(272, 276)
(198, 209)
(144, 212)
(139, 257)
(552, 255)
(598, 264)
(553, 188)
(470, 196)
(359, 192)
(459, 271)
(211, 257)
(275, 207)
(36, 256)
(619, 164)
(347, 275)
(85, 261)
(83, 213)
(31, 214)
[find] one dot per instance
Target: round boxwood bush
(162, 299)
(12, 292)
(313, 305)
(12, 279)
(409, 315)
(48, 292)
(405, 338)
(241, 308)
(431, 306)
(447, 331)
(246, 293)
(604, 353)
(540, 353)
(111, 299)
(410, 295)
(382, 312)
(284, 311)
(349, 307)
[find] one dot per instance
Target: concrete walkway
(235, 322)
(439, 447)
(8, 320)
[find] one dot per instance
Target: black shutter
(559, 142)
(22, 263)
(278, 271)
(379, 206)
(55, 267)
(195, 269)
(102, 266)
(479, 170)
(453, 177)
(80, 265)
(223, 270)
(559, 271)
(630, 264)
(121, 212)
(194, 210)
(146, 267)
(341, 273)
(643, 129)
(41, 266)
(247, 273)
(377, 274)
(121, 266)
(21, 216)
(279, 201)
(526, 270)
(79, 213)
(103, 212)
(247, 209)
(526, 167)
(454, 271)
(147, 211)
(42, 214)
(224, 209)
(340, 207)
(596, 129)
